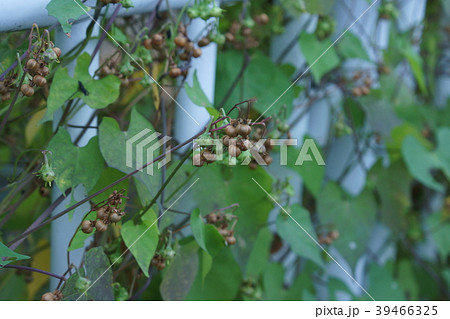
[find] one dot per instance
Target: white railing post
(63, 228)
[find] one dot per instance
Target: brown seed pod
(268, 159)
(208, 156)
(253, 165)
(365, 90)
(157, 40)
(147, 43)
(100, 226)
(184, 56)
(44, 71)
(203, 42)
(39, 80)
(229, 37)
(334, 234)
(263, 18)
(180, 41)
(356, 91)
(231, 240)
(189, 47)
(197, 160)
(48, 296)
(6, 96)
(226, 140)
(174, 72)
(246, 32)
(235, 26)
(161, 265)
(244, 130)
(57, 51)
(44, 191)
(224, 232)
(182, 29)
(368, 81)
(32, 65)
(184, 72)
(27, 90)
(115, 217)
(247, 144)
(231, 131)
(197, 52)
(234, 151)
(86, 227)
(211, 218)
(102, 213)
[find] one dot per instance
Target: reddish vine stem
(35, 270)
(107, 27)
(88, 198)
(236, 80)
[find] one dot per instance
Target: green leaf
(98, 271)
(394, 201)
(220, 186)
(74, 165)
(311, 172)
(439, 228)
(181, 273)
(197, 96)
(206, 235)
(262, 79)
(66, 11)
(312, 49)
(273, 282)
(297, 237)
(108, 176)
(398, 135)
(221, 283)
(416, 63)
(353, 217)
(112, 143)
(318, 6)
(8, 256)
(420, 161)
(196, 93)
(350, 46)
(142, 239)
(102, 92)
(259, 257)
(382, 285)
(407, 280)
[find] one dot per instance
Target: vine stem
(236, 80)
(35, 270)
(88, 198)
(107, 27)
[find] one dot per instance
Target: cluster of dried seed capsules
(328, 238)
(363, 85)
(108, 213)
(241, 34)
(238, 143)
(38, 69)
(222, 221)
